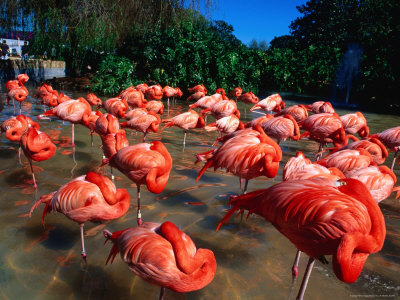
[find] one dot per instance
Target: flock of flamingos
(325, 207)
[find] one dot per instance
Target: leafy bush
(115, 73)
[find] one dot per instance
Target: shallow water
(254, 259)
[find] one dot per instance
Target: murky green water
(254, 259)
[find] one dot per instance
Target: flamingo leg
(184, 138)
(112, 174)
(20, 107)
(306, 277)
(245, 186)
(162, 291)
(83, 254)
(33, 174)
(394, 160)
(139, 215)
(168, 101)
(319, 154)
(19, 155)
(73, 135)
(91, 139)
(295, 267)
(144, 137)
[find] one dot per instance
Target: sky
(257, 19)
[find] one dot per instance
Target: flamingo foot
(139, 218)
(295, 271)
(84, 256)
(35, 186)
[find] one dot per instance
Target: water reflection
(254, 259)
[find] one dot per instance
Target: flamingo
(133, 97)
(113, 142)
(300, 167)
(379, 180)
(298, 112)
(282, 128)
(196, 96)
(155, 106)
(19, 94)
(90, 122)
(144, 163)
(321, 107)
(20, 80)
(248, 97)
(163, 255)
(187, 120)
(226, 125)
(373, 146)
(143, 123)
(348, 160)
(222, 92)
(93, 100)
(355, 123)
(269, 104)
(391, 138)
(258, 121)
(223, 108)
(91, 197)
(198, 88)
(20, 90)
(72, 111)
(106, 124)
(246, 155)
(154, 92)
(116, 107)
(169, 92)
(14, 127)
(143, 87)
(321, 217)
(206, 101)
(236, 92)
(37, 146)
(324, 128)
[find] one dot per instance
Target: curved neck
(200, 267)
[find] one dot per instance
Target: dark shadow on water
(9, 153)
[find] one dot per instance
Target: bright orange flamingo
(355, 123)
(282, 128)
(19, 94)
(321, 219)
(187, 120)
(226, 125)
(269, 104)
(248, 97)
(37, 146)
(246, 155)
(321, 107)
(144, 163)
(143, 87)
(90, 197)
(106, 124)
(391, 138)
(15, 127)
(116, 107)
(163, 255)
(155, 106)
(298, 112)
(72, 111)
(90, 122)
(206, 101)
(145, 123)
(154, 92)
(198, 88)
(222, 92)
(324, 128)
(133, 97)
(93, 100)
(379, 180)
(236, 92)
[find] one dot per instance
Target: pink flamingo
(321, 217)
(226, 125)
(133, 97)
(298, 112)
(391, 138)
(269, 104)
(355, 123)
(144, 123)
(90, 197)
(321, 107)
(282, 128)
(144, 163)
(163, 255)
(187, 120)
(116, 107)
(155, 106)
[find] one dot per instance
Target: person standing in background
(25, 51)
(5, 49)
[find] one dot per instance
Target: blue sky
(257, 19)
